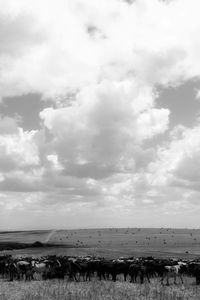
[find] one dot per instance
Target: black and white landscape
(100, 131)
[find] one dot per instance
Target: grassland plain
(110, 242)
(97, 290)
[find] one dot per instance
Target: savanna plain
(110, 243)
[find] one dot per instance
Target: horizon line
(98, 228)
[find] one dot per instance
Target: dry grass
(107, 243)
(97, 290)
(113, 242)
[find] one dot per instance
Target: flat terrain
(97, 290)
(112, 242)
(109, 243)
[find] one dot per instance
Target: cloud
(197, 94)
(8, 125)
(79, 43)
(100, 133)
(179, 158)
(23, 182)
(97, 66)
(18, 150)
(171, 179)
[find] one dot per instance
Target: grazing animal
(41, 268)
(194, 270)
(134, 271)
(25, 269)
(173, 271)
(84, 268)
(13, 271)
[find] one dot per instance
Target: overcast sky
(99, 113)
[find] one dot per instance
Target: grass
(110, 242)
(97, 290)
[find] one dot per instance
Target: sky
(99, 114)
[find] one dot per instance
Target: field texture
(109, 243)
(113, 242)
(97, 290)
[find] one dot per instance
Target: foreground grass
(97, 290)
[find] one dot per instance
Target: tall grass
(97, 290)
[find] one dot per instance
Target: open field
(97, 290)
(113, 242)
(108, 243)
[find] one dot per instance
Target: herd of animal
(85, 268)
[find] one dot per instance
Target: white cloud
(152, 122)
(100, 133)
(180, 158)
(8, 125)
(55, 52)
(18, 150)
(197, 94)
(99, 62)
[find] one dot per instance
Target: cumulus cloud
(98, 65)
(8, 125)
(179, 160)
(101, 131)
(18, 150)
(81, 42)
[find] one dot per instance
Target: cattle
(103, 269)
(174, 271)
(48, 268)
(120, 267)
(143, 270)
(112, 268)
(3, 268)
(12, 270)
(194, 270)
(85, 268)
(41, 268)
(25, 269)
(134, 271)
(67, 267)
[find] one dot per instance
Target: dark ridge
(24, 231)
(37, 244)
